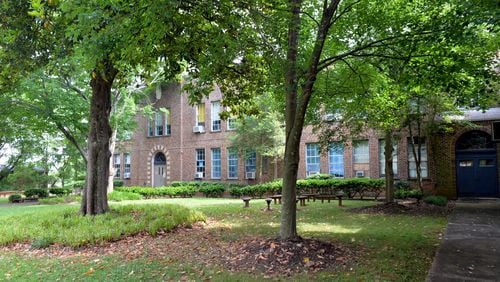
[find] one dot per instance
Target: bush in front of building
(15, 198)
(212, 190)
(36, 192)
(408, 193)
(436, 200)
(118, 196)
(60, 191)
(159, 192)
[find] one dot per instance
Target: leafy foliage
(60, 191)
(36, 192)
(118, 196)
(436, 200)
(14, 198)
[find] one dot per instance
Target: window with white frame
(216, 163)
(381, 157)
(200, 114)
(168, 127)
(150, 128)
(215, 116)
(232, 163)
(336, 159)
(126, 165)
(361, 152)
(250, 161)
(412, 164)
(200, 161)
(312, 159)
(158, 124)
(116, 165)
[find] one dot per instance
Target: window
(361, 152)
(150, 128)
(381, 157)
(250, 161)
(312, 159)
(126, 166)
(215, 116)
(116, 165)
(336, 159)
(200, 161)
(216, 163)
(232, 163)
(412, 164)
(231, 123)
(168, 130)
(158, 124)
(200, 114)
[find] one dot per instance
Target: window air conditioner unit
(360, 173)
(496, 131)
(198, 175)
(309, 173)
(126, 175)
(198, 129)
(250, 175)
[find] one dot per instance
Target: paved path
(470, 250)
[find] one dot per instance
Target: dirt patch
(407, 207)
(202, 245)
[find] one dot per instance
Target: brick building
(183, 142)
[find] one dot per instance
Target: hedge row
(159, 192)
(351, 187)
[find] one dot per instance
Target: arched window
(474, 140)
(160, 159)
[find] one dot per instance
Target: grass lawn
(389, 248)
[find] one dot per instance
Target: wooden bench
(324, 197)
(302, 200)
(276, 198)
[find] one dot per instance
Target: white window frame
(232, 163)
(412, 164)
(381, 157)
(313, 159)
(215, 116)
(117, 165)
(158, 120)
(216, 163)
(361, 155)
(336, 160)
(126, 164)
(250, 161)
(200, 160)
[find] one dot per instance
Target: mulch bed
(201, 245)
(408, 208)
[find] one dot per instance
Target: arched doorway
(159, 163)
(476, 165)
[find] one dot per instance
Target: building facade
(183, 142)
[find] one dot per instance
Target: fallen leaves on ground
(407, 207)
(198, 245)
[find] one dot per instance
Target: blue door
(476, 165)
(477, 175)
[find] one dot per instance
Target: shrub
(122, 196)
(15, 198)
(408, 193)
(319, 176)
(402, 185)
(60, 191)
(436, 200)
(40, 193)
(212, 190)
(117, 183)
(149, 192)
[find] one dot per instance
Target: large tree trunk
(95, 197)
(389, 173)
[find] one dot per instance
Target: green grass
(4, 200)
(389, 248)
(62, 224)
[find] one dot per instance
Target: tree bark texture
(389, 173)
(95, 195)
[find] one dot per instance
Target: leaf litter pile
(200, 245)
(408, 208)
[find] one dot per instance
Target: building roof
(479, 115)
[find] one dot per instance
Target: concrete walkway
(470, 250)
